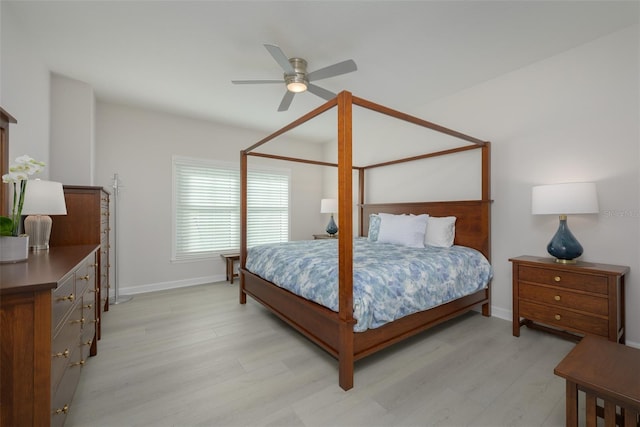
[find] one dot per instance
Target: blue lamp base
(332, 228)
(564, 246)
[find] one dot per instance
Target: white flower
(22, 169)
(18, 175)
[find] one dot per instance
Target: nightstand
(570, 300)
(324, 236)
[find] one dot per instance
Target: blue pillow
(374, 227)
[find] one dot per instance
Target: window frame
(216, 164)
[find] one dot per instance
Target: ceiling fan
(298, 80)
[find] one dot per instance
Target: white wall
(571, 117)
(72, 131)
(138, 145)
(24, 92)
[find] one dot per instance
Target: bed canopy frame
(334, 331)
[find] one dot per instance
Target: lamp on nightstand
(563, 200)
(330, 206)
(44, 198)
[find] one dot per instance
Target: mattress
(389, 281)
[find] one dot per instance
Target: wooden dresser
(87, 222)
(569, 299)
(47, 323)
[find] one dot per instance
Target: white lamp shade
(564, 199)
(44, 198)
(328, 206)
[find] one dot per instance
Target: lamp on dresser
(563, 200)
(44, 198)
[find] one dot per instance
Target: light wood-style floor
(195, 357)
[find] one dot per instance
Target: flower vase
(14, 248)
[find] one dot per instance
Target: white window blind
(207, 207)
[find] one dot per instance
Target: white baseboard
(501, 313)
(162, 286)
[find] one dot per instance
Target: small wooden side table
(324, 236)
(603, 370)
(230, 259)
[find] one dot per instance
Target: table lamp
(330, 206)
(563, 200)
(42, 198)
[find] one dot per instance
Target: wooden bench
(606, 371)
(230, 259)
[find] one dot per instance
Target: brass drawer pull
(557, 279)
(89, 342)
(77, 321)
(69, 297)
(557, 298)
(88, 306)
(557, 317)
(80, 363)
(64, 354)
(62, 410)
(84, 277)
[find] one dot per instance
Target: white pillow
(403, 229)
(441, 231)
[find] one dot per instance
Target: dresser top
(43, 269)
(584, 266)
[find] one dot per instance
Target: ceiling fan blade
(322, 93)
(280, 58)
(343, 67)
(286, 101)
(251, 82)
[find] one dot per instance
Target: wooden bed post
(361, 201)
(345, 241)
(486, 199)
(243, 223)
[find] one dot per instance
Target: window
(206, 207)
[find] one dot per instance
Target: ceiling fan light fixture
(297, 82)
(296, 86)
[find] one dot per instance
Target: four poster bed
(335, 330)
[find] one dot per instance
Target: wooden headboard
(473, 223)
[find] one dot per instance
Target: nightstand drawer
(568, 279)
(564, 319)
(564, 298)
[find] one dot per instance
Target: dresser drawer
(63, 394)
(64, 344)
(561, 298)
(85, 276)
(62, 300)
(568, 279)
(564, 319)
(89, 325)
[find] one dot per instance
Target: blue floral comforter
(389, 281)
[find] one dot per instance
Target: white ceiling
(180, 56)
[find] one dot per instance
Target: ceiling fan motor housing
(297, 82)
